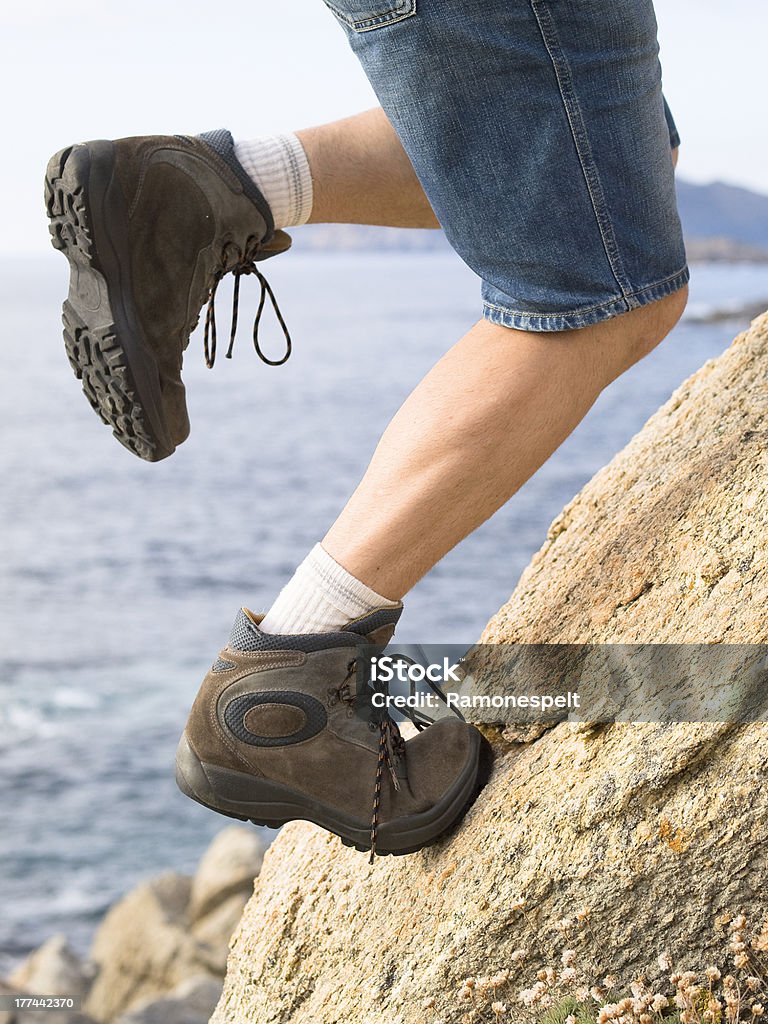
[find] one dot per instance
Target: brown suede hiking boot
(277, 732)
(149, 226)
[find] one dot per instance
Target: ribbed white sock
(320, 598)
(279, 167)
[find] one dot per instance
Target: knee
(641, 330)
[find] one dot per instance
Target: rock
(144, 948)
(221, 887)
(652, 830)
(50, 1017)
(7, 989)
(227, 868)
(192, 1002)
(172, 928)
(667, 543)
(53, 969)
(214, 931)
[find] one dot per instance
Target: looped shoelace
(243, 265)
(391, 751)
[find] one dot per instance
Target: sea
(120, 579)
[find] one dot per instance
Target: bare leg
(481, 422)
(491, 411)
(361, 175)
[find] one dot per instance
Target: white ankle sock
(279, 168)
(320, 598)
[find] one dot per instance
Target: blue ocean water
(121, 579)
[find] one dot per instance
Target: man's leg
(481, 422)
(492, 410)
(485, 418)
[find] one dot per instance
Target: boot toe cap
(441, 757)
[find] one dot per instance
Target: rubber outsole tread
(94, 350)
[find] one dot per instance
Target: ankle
(321, 597)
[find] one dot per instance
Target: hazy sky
(96, 68)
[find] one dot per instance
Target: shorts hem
(587, 316)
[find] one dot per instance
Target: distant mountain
(724, 211)
(720, 221)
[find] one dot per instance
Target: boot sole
(250, 798)
(103, 339)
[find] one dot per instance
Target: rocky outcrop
(53, 969)
(159, 954)
(144, 948)
(172, 931)
(667, 544)
(618, 842)
(220, 889)
(191, 1002)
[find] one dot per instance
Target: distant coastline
(722, 224)
(365, 238)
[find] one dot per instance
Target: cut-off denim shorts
(542, 140)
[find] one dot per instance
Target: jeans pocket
(366, 15)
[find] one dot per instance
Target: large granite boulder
(603, 847)
(53, 969)
(191, 1002)
(221, 887)
(143, 947)
(173, 929)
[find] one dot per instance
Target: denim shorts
(541, 137)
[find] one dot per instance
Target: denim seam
(580, 137)
(374, 21)
(664, 280)
(681, 275)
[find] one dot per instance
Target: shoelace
(391, 751)
(241, 263)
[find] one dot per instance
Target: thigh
(538, 131)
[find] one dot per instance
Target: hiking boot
(149, 226)
(277, 732)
